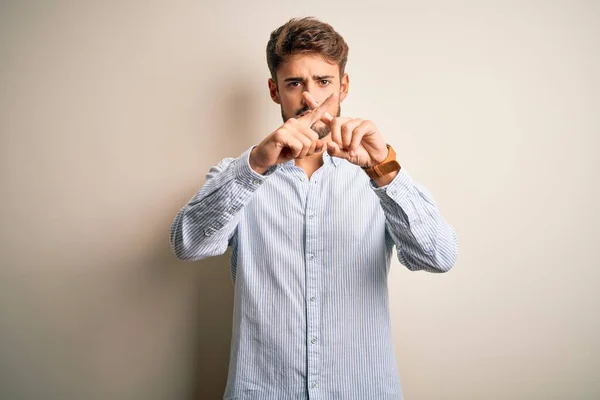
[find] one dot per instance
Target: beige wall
(112, 112)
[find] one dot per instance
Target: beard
(319, 127)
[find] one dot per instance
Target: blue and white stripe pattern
(310, 259)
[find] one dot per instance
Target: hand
(293, 140)
(356, 140)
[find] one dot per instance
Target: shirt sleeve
(423, 239)
(205, 226)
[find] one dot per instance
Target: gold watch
(385, 167)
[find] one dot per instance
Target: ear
(274, 91)
(344, 86)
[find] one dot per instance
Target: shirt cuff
(248, 177)
(397, 189)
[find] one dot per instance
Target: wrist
(383, 154)
(257, 168)
(389, 165)
(386, 179)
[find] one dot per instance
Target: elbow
(190, 250)
(189, 253)
(192, 242)
(443, 265)
(446, 254)
(187, 247)
(181, 251)
(177, 242)
(181, 244)
(435, 263)
(435, 258)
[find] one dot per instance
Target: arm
(204, 226)
(424, 241)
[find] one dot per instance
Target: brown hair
(305, 35)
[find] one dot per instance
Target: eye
(325, 82)
(294, 84)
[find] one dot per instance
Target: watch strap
(385, 167)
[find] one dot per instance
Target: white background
(112, 112)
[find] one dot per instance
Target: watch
(385, 167)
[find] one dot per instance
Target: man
(312, 214)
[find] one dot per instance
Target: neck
(313, 162)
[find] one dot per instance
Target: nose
(303, 99)
(309, 88)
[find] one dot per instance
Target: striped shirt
(310, 259)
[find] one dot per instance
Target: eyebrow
(315, 77)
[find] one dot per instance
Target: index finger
(317, 113)
(313, 104)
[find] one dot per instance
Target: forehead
(306, 66)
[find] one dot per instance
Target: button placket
(313, 247)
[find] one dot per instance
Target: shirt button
(311, 216)
(313, 340)
(312, 258)
(313, 385)
(312, 298)
(302, 178)
(207, 232)
(394, 191)
(256, 182)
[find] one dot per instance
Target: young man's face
(312, 73)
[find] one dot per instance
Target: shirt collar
(327, 158)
